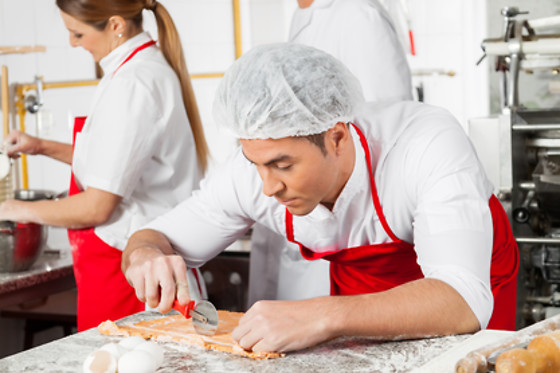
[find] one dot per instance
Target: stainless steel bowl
(21, 243)
(33, 194)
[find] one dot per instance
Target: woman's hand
(19, 142)
(14, 210)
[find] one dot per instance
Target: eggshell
(137, 361)
(114, 349)
(154, 349)
(130, 342)
(100, 361)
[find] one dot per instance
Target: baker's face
(98, 43)
(295, 172)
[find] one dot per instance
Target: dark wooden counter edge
(37, 285)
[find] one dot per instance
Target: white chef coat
(136, 142)
(430, 183)
(361, 35)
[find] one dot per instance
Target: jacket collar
(112, 61)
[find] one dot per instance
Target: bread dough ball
(546, 352)
(517, 360)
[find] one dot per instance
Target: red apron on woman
(103, 292)
(379, 267)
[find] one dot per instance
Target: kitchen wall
(447, 36)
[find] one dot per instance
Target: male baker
(392, 195)
(373, 53)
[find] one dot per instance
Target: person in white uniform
(391, 193)
(139, 153)
(361, 35)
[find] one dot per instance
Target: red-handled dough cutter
(203, 313)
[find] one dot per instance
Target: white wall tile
(20, 29)
(48, 26)
(436, 16)
(21, 67)
(209, 58)
(268, 21)
(220, 142)
(3, 30)
(63, 64)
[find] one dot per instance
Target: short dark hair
(319, 140)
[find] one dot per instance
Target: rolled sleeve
(215, 216)
(453, 231)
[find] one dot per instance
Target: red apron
(379, 267)
(103, 292)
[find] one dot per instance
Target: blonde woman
(140, 151)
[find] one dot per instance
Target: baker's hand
(158, 278)
(14, 210)
(19, 142)
(280, 326)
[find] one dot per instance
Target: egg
(137, 361)
(130, 342)
(100, 361)
(114, 349)
(154, 349)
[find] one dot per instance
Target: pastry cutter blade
(203, 313)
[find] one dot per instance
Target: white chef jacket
(361, 35)
(136, 141)
(430, 183)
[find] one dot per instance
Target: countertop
(342, 354)
(51, 273)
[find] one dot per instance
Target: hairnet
(286, 89)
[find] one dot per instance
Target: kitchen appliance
(21, 243)
(528, 173)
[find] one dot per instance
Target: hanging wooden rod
(22, 49)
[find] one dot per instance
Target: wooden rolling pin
(476, 361)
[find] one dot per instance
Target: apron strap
(374, 194)
(143, 46)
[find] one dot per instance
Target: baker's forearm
(60, 151)
(421, 308)
(143, 245)
(87, 209)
